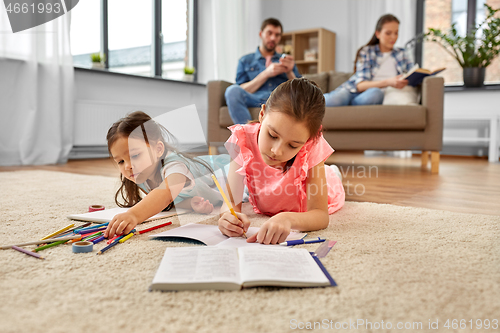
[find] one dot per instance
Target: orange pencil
(228, 203)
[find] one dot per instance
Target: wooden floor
(464, 184)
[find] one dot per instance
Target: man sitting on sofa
(259, 73)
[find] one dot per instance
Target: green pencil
(49, 245)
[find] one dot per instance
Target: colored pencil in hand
(228, 203)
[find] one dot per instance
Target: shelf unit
(319, 39)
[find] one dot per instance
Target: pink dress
(271, 191)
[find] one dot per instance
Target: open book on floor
(416, 75)
(228, 268)
(106, 215)
(211, 235)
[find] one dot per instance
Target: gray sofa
(370, 127)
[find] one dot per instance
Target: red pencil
(153, 228)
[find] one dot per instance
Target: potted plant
(189, 74)
(473, 53)
(97, 60)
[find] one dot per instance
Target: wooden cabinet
(312, 49)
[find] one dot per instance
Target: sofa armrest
(433, 100)
(216, 100)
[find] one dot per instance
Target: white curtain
(36, 93)
(364, 15)
(233, 34)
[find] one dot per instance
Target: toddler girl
(148, 164)
(280, 159)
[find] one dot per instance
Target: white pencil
(50, 240)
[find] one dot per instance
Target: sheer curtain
(36, 93)
(365, 13)
(234, 34)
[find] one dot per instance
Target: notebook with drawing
(229, 268)
(106, 215)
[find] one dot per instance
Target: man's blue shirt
(251, 65)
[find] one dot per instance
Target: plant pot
(188, 77)
(474, 76)
(97, 65)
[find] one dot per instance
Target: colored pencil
(36, 255)
(228, 203)
(107, 247)
(98, 239)
(112, 239)
(124, 239)
(95, 226)
(59, 231)
(5, 247)
(86, 231)
(49, 245)
(94, 235)
(153, 228)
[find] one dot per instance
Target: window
(130, 32)
(85, 31)
(441, 14)
(174, 29)
(130, 35)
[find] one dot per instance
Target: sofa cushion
(321, 80)
(375, 117)
(336, 79)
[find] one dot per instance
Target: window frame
(419, 29)
(157, 40)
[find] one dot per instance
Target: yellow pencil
(126, 237)
(58, 231)
(228, 203)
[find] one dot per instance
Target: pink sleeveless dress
(270, 190)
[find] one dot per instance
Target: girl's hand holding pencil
(231, 226)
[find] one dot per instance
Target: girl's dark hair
(374, 40)
(301, 99)
(150, 131)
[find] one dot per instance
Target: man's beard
(270, 49)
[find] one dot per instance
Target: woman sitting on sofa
(378, 65)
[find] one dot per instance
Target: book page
(197, 266)
(279, 267)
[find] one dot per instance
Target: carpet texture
(392, 264)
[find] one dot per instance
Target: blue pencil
(107, 247)
(87, 231)
(93, 226)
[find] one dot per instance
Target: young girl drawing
(378, 65)
(148, 164)
(280, 159)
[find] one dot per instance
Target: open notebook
(228, 268)
(103, 216)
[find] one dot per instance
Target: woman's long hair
(374, 40)
(150, 131)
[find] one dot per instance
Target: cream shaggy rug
(394, 266)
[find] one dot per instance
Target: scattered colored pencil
(49, 245)
(112, 239)
(92, 236)
(124, 239)
(5, 247)
(86, 231)
(98, 239)
(153, 228)
(36, 255)
(95, 226)
(107, 248)
(59, 231)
